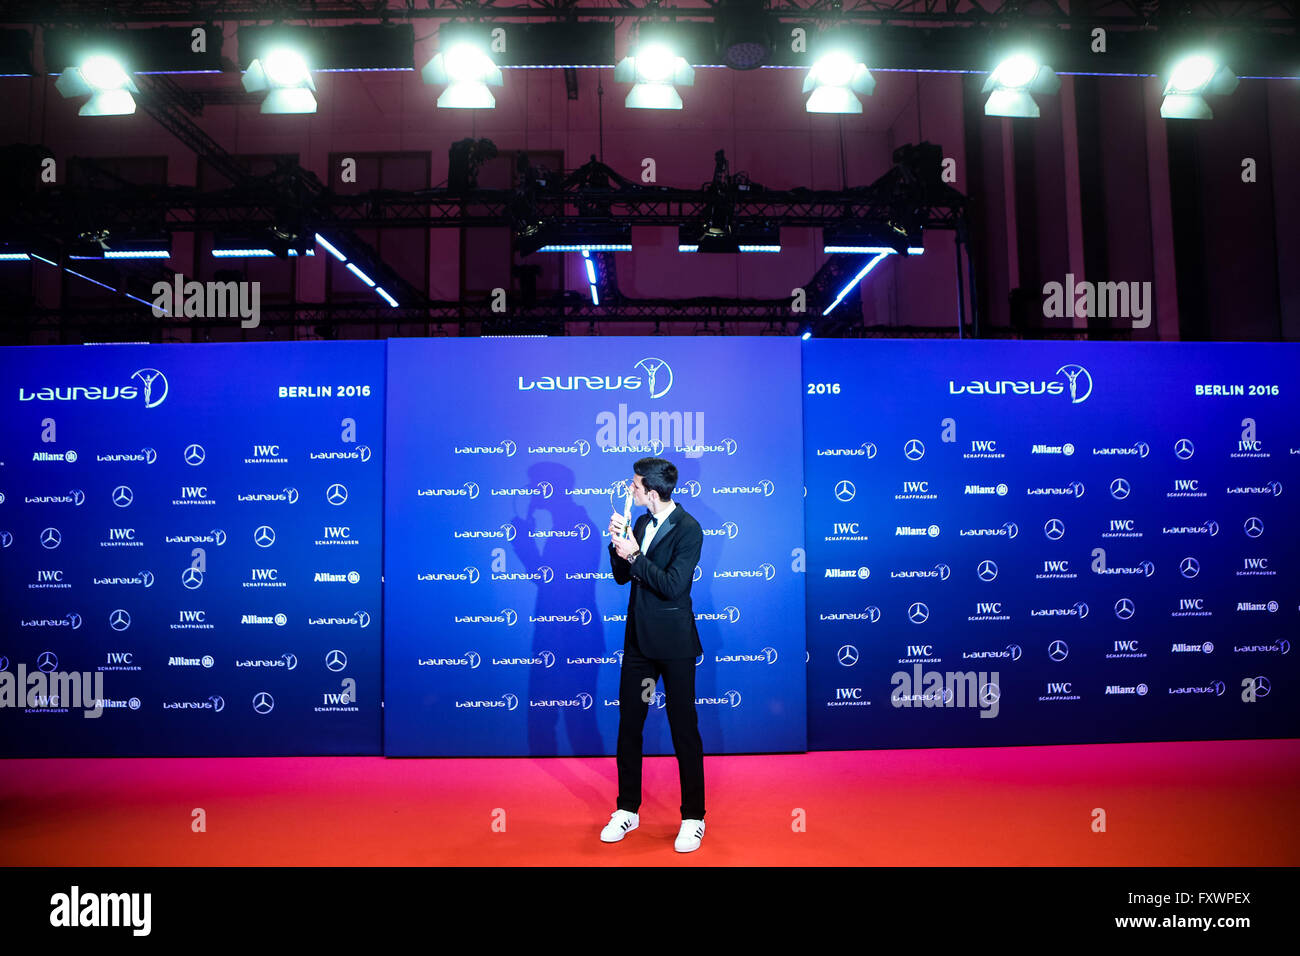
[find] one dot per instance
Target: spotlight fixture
(1018, 75)
(282, 73)
(467, 70)
(744, 33)
(655, 70)
(838, 74)
(870, 238)
(741, 237)
(1191, 77)
(106, 80)
(262, 246)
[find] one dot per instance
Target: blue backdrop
(198, 526)
(504, 627)
(1023, 543)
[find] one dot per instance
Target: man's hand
(625, 547)
(616, 525)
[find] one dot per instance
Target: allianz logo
(507, 448)
(999, 489)
(906, 531)
(279, 620)
(768, 655)
(470, 659)
(468, 573)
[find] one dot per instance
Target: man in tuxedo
(660, 639)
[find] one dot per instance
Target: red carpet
(1220, 803)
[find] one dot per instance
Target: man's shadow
(555, 557)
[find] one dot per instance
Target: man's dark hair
(658, 475)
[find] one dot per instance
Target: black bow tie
(654, 521)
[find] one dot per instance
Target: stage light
(745, 33)
(806, 334)
(740, 237)
(1191, 78)
(330, 249)
(591, 276)
(838, 74)
(655, 70)
(862, 274)
(284, 75)
(265, 246)
(1010, 86)
(106, 80)
(386, 297)
(871, 238)
(361, 275)
(467, 71)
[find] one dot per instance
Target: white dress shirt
(650, 529)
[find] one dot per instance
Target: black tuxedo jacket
(659, 611)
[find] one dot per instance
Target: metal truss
(1078, 13)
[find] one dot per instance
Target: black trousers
(679, 694)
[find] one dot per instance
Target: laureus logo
(659, 376)
(1079, 380)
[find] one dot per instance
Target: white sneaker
(689, 836)
(620, 824)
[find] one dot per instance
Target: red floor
(1180, 804)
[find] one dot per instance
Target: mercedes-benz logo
(845, 491)
(194, 454)
(1120, 488)
(119, 620)
(1054, 529)
(1189, 567)
(1262, 686)
(51, 538)
(988, 570)
(1184, 448)
(918, 613)
(192, 578)
(1058, 650)
(336, 494)
(263, 703)
(47, 661)
(1253, 527)
(847, 655)
(264, 536)
(122, 496)
(1124, 609)
(914, 449)
(336, 660)
(990, 693)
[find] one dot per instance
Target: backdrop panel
(198, 528)
(1031, 543)
(505, 628)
